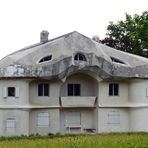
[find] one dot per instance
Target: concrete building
(72, 84)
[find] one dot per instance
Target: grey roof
(101, 60)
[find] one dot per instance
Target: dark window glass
(110, 89)
(11, 91)
(46, 89)
(47, 58)
(43, 89)
(76, 89)
(70, 89)
(116, 89)
(113, 89)
(79, 57)
(40, 90)
(73, 89)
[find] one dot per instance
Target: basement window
(117, 60)
(45, 59)
(80, 57)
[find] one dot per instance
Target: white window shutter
(147, 92)
(17, 92)
(5, 92)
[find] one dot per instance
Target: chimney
(44, 36)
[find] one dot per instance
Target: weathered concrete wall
(105, 99)
(103, 125)
(54, 91)
(87, 119)
(54, 121)
(21, 119)
(23, 86)
(137, 91)
(88, 85)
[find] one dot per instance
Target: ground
(112, 140)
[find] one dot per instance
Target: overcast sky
(21, 21)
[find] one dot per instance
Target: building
(72, 84)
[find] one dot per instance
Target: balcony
(78, 101)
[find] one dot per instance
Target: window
(79, 57)
(114, 117)
(113, 89)
(44, 59)
(43, 89)
(43, 120)
(11, 92)
(10, 124)
(73, 118)
(117, 60)
(73, 89)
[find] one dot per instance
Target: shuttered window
(114, 118)
(11, 92)
(10, 124)
(73, 118)
(43, 120)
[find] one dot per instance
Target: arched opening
(79, 57)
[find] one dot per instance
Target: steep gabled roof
(103, 60)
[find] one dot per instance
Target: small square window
(11, 91)
(73, 89)
(113, 89)
(43, 89)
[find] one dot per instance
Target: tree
(130, 35)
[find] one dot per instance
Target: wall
(105, 99)
(87, 118)
(23, 91)
(21, 118)
(103, 120)
(88, 85)
(54, 122)
(51, 100)
(137, 91)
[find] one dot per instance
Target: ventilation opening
(117, 60)
(79, 57)
(44, 59)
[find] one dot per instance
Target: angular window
(113, 89)
(73, 118)
(117, 60)
(80, 57)
(73, 90)
(114, 118)
(44, 59)
(43, 89)
(43, 120)
(10, 124)
(11, 91)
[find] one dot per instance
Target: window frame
(42, 117)
(113, 118)
(42, 90)
(71, 118)
(76, 89)
(78, 57)
(113, 89)
(12, 125)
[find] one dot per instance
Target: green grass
(112, 140)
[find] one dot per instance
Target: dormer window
(45, 59)
(117, 60)
(80, 57)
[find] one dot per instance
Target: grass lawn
(112, 140)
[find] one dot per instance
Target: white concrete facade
(83, 96)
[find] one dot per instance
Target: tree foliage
(130, 35)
